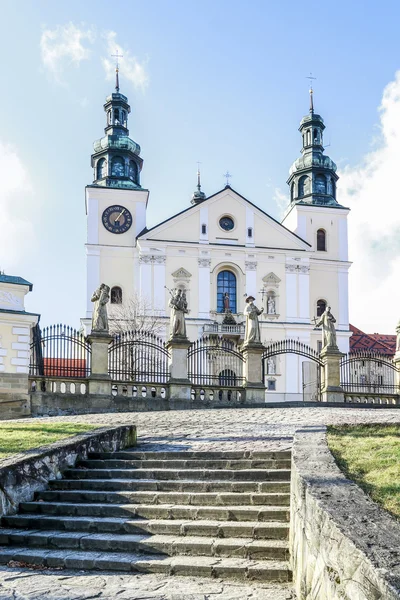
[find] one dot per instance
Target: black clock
(226, 223)
(117, 219)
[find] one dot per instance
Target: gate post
(253, 372)
(99, 380)
(331, 388)
(180, 387)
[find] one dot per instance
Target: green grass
(19, 437)
(370, 456)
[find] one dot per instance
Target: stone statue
(179, 308)
(271, 306)
(100, 318)
(326, 321)
(271, 366)
(398, 337)
(227, 302)
(252, 325)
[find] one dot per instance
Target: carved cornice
(297, 269)
(204, 262)
(151, 258)
(250, 265)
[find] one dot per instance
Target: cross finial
(228, 176)
(117, 56)
(311, 78)
(198, 176)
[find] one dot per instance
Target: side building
(222, 248)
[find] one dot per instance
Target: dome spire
(198, 195)
(117, 56)
(311, 91)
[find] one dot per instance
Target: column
(204, 287)
(251, 278)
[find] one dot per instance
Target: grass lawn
(18, 437)
(370, 456)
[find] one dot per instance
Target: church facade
(222, 248)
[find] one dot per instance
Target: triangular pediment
(181, 274)
(271, 279)
(205, 222)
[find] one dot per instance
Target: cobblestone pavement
(226, 429)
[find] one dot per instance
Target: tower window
(315, 136)
(250, 232)
(132, 171)
(204, 229)
(116, 116)
(117, 167)
(308, 137)
(226, 284)
(101, 169)
(116, 295)
(321, 307)
(320, 184)
(292, 192)
(321, 240)
(303, 186)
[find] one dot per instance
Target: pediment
(181, 273)
(271, 279)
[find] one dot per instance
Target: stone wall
(343, 545)
(14, 398)
(23, 475)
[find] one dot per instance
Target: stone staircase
(218, 514)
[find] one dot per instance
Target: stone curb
(24, 474)
(343, 544)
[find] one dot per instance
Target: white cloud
(372, 192)
(129, 67)
(63, 46)
(16, 229)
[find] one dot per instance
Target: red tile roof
(376, 342)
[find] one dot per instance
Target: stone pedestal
(253, 372)
(180, 387)
(99, 380)
(331, 388)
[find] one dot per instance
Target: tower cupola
(312, 177)
(198, 195)
(116, 159)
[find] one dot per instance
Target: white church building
(222, 248)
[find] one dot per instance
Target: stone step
(149, 544)
(136, 454)
(261, 487)
(182, 474)
(123, 463)
(220, 529)
(190, 498)
(235, 568)
(159, 511)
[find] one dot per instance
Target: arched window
(292, 192)
(320, 184)
(333, 185)
(116, 295)
(116, 116)
(321, 307)
(303, 186)
(321, 240)
(132, 170)
(101, 169)
(308, 137)
(226, 284)
(124, 118)
(109, 117)
(117, 167)
(227, 377)
(315, 136)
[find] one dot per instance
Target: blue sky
(221, 82)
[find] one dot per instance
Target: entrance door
(311, 381)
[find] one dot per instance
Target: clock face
(117, 219)
(226, 223)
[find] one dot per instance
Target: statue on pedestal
(271, 306)
(326, 321)
(252, 313)
(179, 308)
(100, 318)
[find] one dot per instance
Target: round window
(226, 223)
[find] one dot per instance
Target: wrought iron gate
(368, 373)
(215, 361)
(138, 357)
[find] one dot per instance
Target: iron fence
(138, 357)
(215, 361)
(368, 373)
(59, 351)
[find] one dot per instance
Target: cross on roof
(228, 176)
(117, 56)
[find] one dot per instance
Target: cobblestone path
(227, 429)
